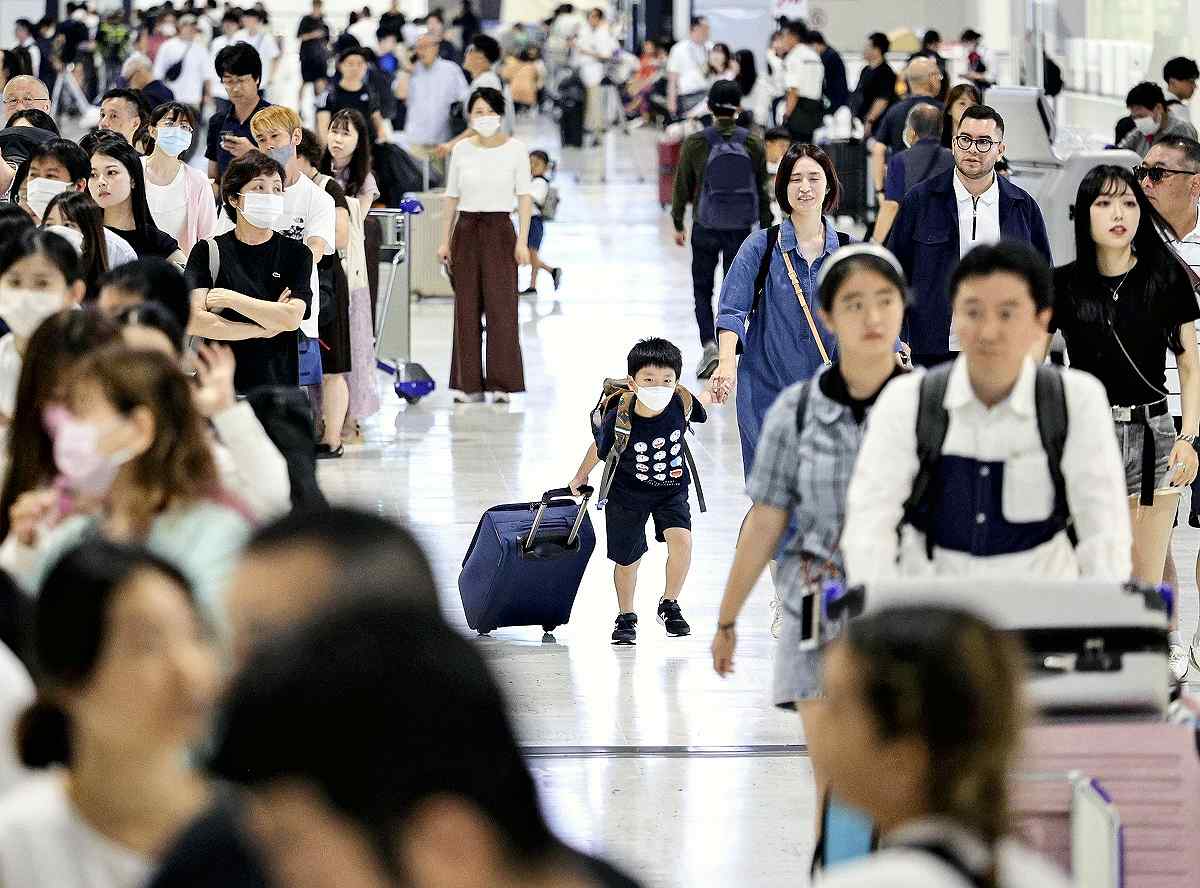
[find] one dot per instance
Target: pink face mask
(81, 464)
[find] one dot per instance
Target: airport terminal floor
(641, 753)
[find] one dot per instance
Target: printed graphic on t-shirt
(653, 461)
(295, 231)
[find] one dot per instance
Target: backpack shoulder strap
(1050, 398)
(802, 404)
(214, 259)
(622, 428)
(764, 268)
(932, 424)
(740, 135)
(711, 136)
(689, 401)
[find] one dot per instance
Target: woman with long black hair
(1120, 305)
(76, 210)
(118, 184)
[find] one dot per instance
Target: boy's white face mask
(655, 397)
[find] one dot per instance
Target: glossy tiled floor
(737, 813)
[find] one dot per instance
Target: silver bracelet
(1190, 439)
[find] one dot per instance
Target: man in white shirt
(231, 24)
(1170, 176)
(308, 212)
(990, 506)
(254, 33)
(191, 81)
(364, 31)
(595, 48)
(429, 87)
(687, 69)
(480, 63)
(804, 76)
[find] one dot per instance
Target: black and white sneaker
(625, 629)
(672, 619)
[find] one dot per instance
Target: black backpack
(286, 415)
(933, 421)
(397, 174)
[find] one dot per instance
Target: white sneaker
(1177, 662)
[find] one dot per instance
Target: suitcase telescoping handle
(549, 496)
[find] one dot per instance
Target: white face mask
(486, 126)
(262, 210)
(1147, 126)
(24, 310)
(655, 397)
(773, 167)
(41, 191)
(173, 140)
(70, 235)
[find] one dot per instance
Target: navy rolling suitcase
(525, 562)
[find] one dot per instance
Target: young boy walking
(651, 481)
(539, 184)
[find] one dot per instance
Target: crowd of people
(210, 677)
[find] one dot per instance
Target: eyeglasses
(983, 145)
(1157, 174)
(13, 101)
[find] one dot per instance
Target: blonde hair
(274, 117)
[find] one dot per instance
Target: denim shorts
(1130, 437)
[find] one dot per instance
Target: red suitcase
(668, 162)
(1152, 771)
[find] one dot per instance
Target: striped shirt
(1188, 249)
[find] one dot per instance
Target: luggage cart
(393, 326)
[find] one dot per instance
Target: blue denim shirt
(778, 346)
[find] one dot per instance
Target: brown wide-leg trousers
(485, 283)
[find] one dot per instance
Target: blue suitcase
(525, 562)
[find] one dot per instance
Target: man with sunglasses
(1170, 176)
(947, 215)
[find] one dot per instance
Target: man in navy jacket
(945, 216)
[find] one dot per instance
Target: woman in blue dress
(778, 340)
(779, 334)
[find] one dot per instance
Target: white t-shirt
(906, 868)
(308, 211)
(689, 60)
(268, 49)
(804, 72)
(168, 203)
(487, 180)
(189, 86)
(598, 40)
(215, 87)
(44, 843)
(16, 693)
(364, 31)
(538, 189)
(119, 251)
(10, 374)
(489, 79)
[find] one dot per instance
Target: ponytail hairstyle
(70, 629)
(950, 680)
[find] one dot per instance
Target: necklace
(1115, 291)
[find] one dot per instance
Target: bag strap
(689, 402)
(214, 259)
(622, 429)
(802, 404)
(949, 858)
(764, 268)
(812, 324)
(842, 237)
(932, 424)
(1050, 399)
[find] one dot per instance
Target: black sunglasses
(1157, 174)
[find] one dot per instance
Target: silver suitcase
(427, 275)
(1093, 646)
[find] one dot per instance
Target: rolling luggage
(849, 157)
(1093, 646)
(1151, 772)
(525, 562)
(668, 162)
(428, 276)
(572, 101)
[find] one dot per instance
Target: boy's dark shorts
(627, 527)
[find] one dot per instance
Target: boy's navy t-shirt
(652, 468)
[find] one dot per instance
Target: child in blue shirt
(651, 481)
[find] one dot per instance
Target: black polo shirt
(225, 121)
(363, 100)
(873, 83)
